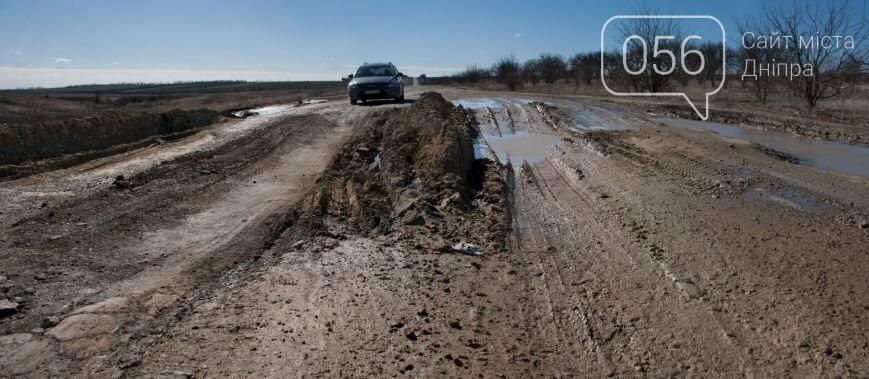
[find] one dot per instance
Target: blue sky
(48, 43)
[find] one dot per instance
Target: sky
(63, 42)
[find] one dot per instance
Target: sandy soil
(647, 251)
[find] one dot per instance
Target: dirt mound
(411, 169)
(20, 142)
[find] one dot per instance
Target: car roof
(376, 64)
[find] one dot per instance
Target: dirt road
(307, 242)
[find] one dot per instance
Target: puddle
(597, 119)
(825, 155)
(790, 199)
(263, 111)
(273, 109)
(521, 146)
(477, 103)
(481, 150)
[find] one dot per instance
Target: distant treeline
(223, 86)
(836, 72)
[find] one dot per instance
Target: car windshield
(375, 71)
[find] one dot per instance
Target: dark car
(375, 81)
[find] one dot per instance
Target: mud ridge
(411, 172)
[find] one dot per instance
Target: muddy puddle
(585, 121)
(823, 155)
(480, 103)
(787, 198)
(597, 119)
(263, 111)
(517, 147)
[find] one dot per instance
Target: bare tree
(552, 67)
(638, 52)
(531, 71)
(508, 71)
(733, 66)
(614, 73)
(759, 86)
(472, 74)
(713, 60)
(584, 67)
(831, 66)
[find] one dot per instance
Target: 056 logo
(645, 71)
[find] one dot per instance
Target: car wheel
(399, 99)
(352, 101)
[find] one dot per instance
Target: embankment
(81, 139)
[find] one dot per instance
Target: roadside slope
(93, 269)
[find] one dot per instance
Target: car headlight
(392, 84)
(352, 85)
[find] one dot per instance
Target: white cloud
(517, 35)
(15, 52)
(62, 60)
(20, 77)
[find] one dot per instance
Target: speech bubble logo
(703, 115)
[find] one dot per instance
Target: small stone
(467, 248)
(120, 182)
(50, 321)
(451, 201)
(83, 325)
(415, 220)
(8, 308)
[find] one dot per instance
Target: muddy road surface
(508, 237)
